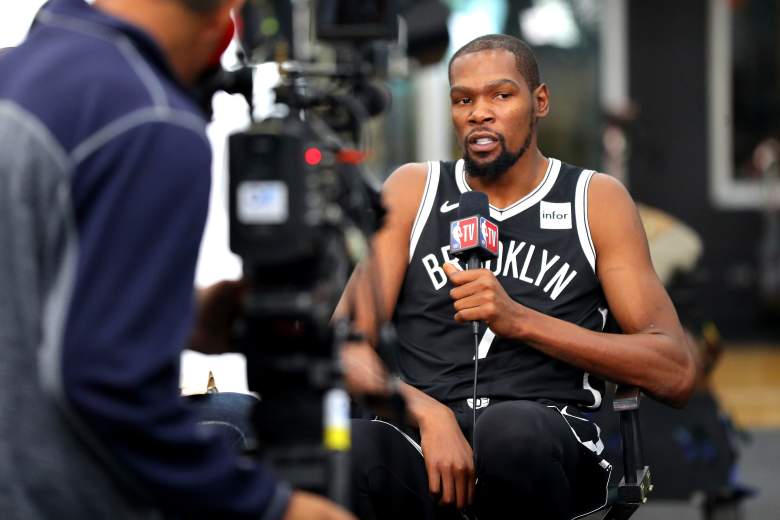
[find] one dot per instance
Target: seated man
(572, 249)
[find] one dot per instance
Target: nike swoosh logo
(447, 206)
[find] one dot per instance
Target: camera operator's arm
(653, 352)
(129, 315)
(448, 456)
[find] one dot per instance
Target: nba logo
(488, 235)
(464, 234)
(455, 235)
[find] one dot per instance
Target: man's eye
(503, 95)
(462, 101)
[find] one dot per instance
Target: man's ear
(218, 27)
(541, 96)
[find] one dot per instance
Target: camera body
(302, 211)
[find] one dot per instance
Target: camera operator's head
(190, 32)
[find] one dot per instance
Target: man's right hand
(448, 457)
(307, 506)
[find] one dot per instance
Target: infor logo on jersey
(555, 215)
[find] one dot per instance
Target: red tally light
(312, 156)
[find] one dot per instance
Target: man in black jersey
(572, 251)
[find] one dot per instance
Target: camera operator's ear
(219, 27)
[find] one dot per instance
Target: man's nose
(481, 114)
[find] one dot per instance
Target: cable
(474, 396)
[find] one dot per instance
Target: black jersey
(546, 262)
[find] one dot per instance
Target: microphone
(473, 236)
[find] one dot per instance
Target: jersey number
(484, 344)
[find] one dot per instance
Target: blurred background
(679, 100)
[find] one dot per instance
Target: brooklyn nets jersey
(546, 262)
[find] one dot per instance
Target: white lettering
(499, 261)
(511, 258)
(445, 253)
(545, 266)
(560, 280)
(524, 272)
(469, 231)
(492, 237)
(435, 272)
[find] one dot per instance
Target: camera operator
(104, 175)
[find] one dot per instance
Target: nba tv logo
(488, 235)
(473, 232)
(555, 215)
(464, 234)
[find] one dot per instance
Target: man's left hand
(478, 296)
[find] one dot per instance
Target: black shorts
(538, 458)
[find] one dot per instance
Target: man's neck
(168, 24)
(517, 182)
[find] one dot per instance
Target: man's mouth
(482, 142)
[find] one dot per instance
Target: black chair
(636, 484)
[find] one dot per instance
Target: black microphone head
(473, 203)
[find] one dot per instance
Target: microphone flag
(473, 233)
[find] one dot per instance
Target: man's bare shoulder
(407, 176)
(403, 189)
(608, 200)
(613, 217)
(605, 188)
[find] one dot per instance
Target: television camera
(302, 211)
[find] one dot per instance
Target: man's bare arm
(370, 298)
(652, 353)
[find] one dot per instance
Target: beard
(500, 165)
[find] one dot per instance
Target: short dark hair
(202, 6)
(524, 56)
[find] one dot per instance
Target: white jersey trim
(532, 198)
(426, 204)
(581, 211)
(393, 426)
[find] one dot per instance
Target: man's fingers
(434, 480)
(472, 314)
(475, 300)
(450, 270)
(447, 489)
(458, 277)
(461, 489)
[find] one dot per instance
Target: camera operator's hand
(364, 372)
(218, 306)
(448, 456)
(307, 506)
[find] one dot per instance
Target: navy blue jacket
(105, 175)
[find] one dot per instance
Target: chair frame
(636, 484)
